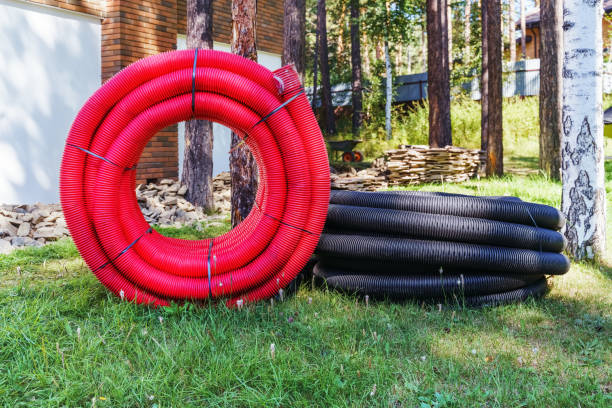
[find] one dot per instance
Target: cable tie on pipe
(104, 265)
(536, 225)
(284, 223)
(265, 118)
(100, 157)
(282, 105)
(193, 78)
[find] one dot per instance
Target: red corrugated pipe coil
(97, 182)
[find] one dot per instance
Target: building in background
(532, 20)
(55, 53)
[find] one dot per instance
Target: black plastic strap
(281, 106)
(124, 251)
(193, 78)
(536, 225)
(208, 267)
(284, 223)
(99, 157)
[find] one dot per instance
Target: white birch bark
(511, 35)
(389, 91)
(584, 200)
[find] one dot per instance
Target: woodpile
(371, 179)
(422, 164)
(413, 165)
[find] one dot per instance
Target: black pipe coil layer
(420, 286)
(514, 211)
(440, 247)
(444, 227)
(446, 254)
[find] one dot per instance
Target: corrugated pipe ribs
(271, 113)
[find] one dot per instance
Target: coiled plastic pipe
(439, 247)
(254, 260)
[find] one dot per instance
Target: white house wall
(221, 134)
(50, 63)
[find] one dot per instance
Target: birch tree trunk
(388, 91)
(467, 31)
(523, 32)
(511, 31)
(438, 84)
(584, 194)
(366, 54)
(424, 47)
(243, 168)
(357, 100)
(197, 159)
(551, 98)
(408, 60)
(330, 120)
(294, 38)
(398, 59)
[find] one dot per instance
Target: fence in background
(520, 79)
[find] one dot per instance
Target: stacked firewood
(371, 179)
(422, 164)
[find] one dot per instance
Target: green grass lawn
(64, 341)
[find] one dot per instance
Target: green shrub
(411, 126)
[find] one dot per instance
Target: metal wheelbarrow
(346, 148)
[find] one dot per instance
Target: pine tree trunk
(357, 99)
(449, 30)
(551, 98)
(438, 85)
(467, 31)
(388, 91)
(243, 169)
(315, 70)
(484, 80)
(501, 28)
(330, 120)
(584, 194)
(491, 11)
(523, 32)
(295, 35)
(511, 31)
(197, 159)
